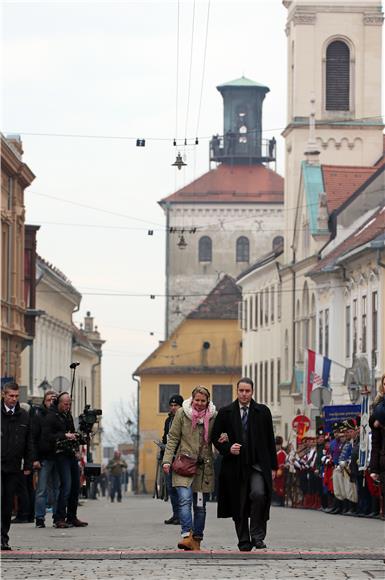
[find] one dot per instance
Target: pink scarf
(205, 415)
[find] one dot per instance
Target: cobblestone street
(129, 540)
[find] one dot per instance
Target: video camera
(88, 419)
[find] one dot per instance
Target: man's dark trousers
(9, 482)
(252, 493)
(67, 504)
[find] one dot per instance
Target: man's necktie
(244, 418)
(9, 412)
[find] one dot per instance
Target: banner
(318, 371)
(364, 434)
(339, 413)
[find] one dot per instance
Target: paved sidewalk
(130, 540)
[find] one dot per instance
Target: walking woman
(190, 440)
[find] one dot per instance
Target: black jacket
(16, 440)
(54, 427)
(41, 445)
(260, 448)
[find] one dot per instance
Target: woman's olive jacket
(183, 439)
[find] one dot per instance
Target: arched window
(306, 318)
(337, 76)
(312, 322)
(205, 249)
(242, 249)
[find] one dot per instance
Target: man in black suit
(16, 446)
(243, 434)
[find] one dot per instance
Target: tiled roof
(232, 184)
(191, 370)
(371, 229)
(221, 303)
(341, 181)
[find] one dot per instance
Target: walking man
(248, 467)
(16, 445)
(115, 466)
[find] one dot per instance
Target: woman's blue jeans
(187, 500)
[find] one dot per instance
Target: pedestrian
(190, 439)
(59, 431)
(103, 480)
(115, 467)
(249, 464)
(377, 456)
(279, 481)
(45, 464)
(175, 403)
(16, 446)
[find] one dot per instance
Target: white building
(49, 356)
(334, 142)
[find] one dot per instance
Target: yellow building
(205, 349)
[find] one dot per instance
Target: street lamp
(354, 392)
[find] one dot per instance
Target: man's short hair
(10, 387)
(49, 392)
(247, 381)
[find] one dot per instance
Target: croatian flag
(318, 371)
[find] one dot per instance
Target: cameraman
(60, 434)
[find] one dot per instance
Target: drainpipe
(167, 267)
(137, 440)
(93, 367)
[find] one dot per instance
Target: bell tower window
(242, 249)
(338, 76)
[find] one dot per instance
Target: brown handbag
(185, 465)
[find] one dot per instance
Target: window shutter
(337, 76)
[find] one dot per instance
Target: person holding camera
(193, 469)
(59, 432)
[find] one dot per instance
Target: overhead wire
(190, 71)
(203, 69)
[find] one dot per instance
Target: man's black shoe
(40, 523)
(173, 521)
(5, 546)
(259, 544)
(245, 547)
(19, 520)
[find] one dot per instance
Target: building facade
(334, 145)
(16, 176)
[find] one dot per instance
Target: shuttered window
(337, 76)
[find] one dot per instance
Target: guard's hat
(176, 399)
(349, 424)
(336, 426)
(320, 431)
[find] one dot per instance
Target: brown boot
(196, 543)
(186, 543)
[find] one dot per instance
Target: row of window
(267, 377)
(221, 395)
(262, 308)
(356, 325)
(242, 249)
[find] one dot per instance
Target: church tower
(334, 60)
(224, 220)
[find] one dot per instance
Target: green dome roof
(243, 82)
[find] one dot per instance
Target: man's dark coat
(16, 440)
(235, 468)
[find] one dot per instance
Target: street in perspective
(193, 289)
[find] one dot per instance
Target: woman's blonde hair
(202, 391)
(380, 391)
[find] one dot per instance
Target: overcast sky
(109, 70)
